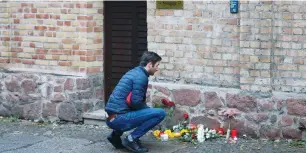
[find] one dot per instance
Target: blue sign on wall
(234, 6)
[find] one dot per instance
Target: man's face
(153, 68)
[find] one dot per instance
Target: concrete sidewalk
(29, 137)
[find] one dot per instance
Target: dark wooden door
(125, 38)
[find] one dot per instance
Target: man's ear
(149, 65)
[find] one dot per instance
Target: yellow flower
(171, 135)
(167, 131)
(177, 134)
(157, 133)
(183, 131)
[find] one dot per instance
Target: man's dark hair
(149, 57)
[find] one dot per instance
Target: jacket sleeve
(138, 91)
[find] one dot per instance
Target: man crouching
(125, 116)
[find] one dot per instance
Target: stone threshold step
(97, 117)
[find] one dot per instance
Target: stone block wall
(48, 97)
(280, 116)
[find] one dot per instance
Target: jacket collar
(143, 69)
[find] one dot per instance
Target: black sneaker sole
(114, 144)
(131, 149)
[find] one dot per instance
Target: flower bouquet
(169, 108)
(187, 132)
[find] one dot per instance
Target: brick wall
(260, 49)
(53, 36)
(51, 59)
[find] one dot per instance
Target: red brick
(26, 16)
(100, 11)
(169, 12)
(88, 24)
(20, 10)
(54, 34)
(84, 5)
(26, 5)
(188, 27)
(34, 56)
(14, 54)
(93, 69)
(16, 33)
(34, 10)
(60, 23)
(41, 56)
(88, 58)
(17, 38)
(64, 63)
(98, 29)
(55, 57)
(26, 10)
(42, 16)
(75, 46)
(40, 27)
(97, 41)
(32, 44)
(16, 49)
(17, 60)
(85, 17)
(52, 28)
(82, 70)
(160, 12)
(79, 52)
(84, 29)
(67, 41)
(64, 11)
(55, 5)
(16, 21)
(67, 23)
(4, 60)
(5, 39)
(69, 5)
(41, 51)
(26, 61)
(55, 17)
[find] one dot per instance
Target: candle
(164, 137)
(234, 133)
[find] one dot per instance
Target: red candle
(220, 131)
(233, 133)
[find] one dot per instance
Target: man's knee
(161, 113)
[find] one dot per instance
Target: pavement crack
(26, 146)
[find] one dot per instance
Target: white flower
(175, 127)
(206, 130)
(207, 136)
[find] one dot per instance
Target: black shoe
(144, 149)
(116, 141)
(132, 146)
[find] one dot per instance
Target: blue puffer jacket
(135, 80)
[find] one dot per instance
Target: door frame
(107, 48)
